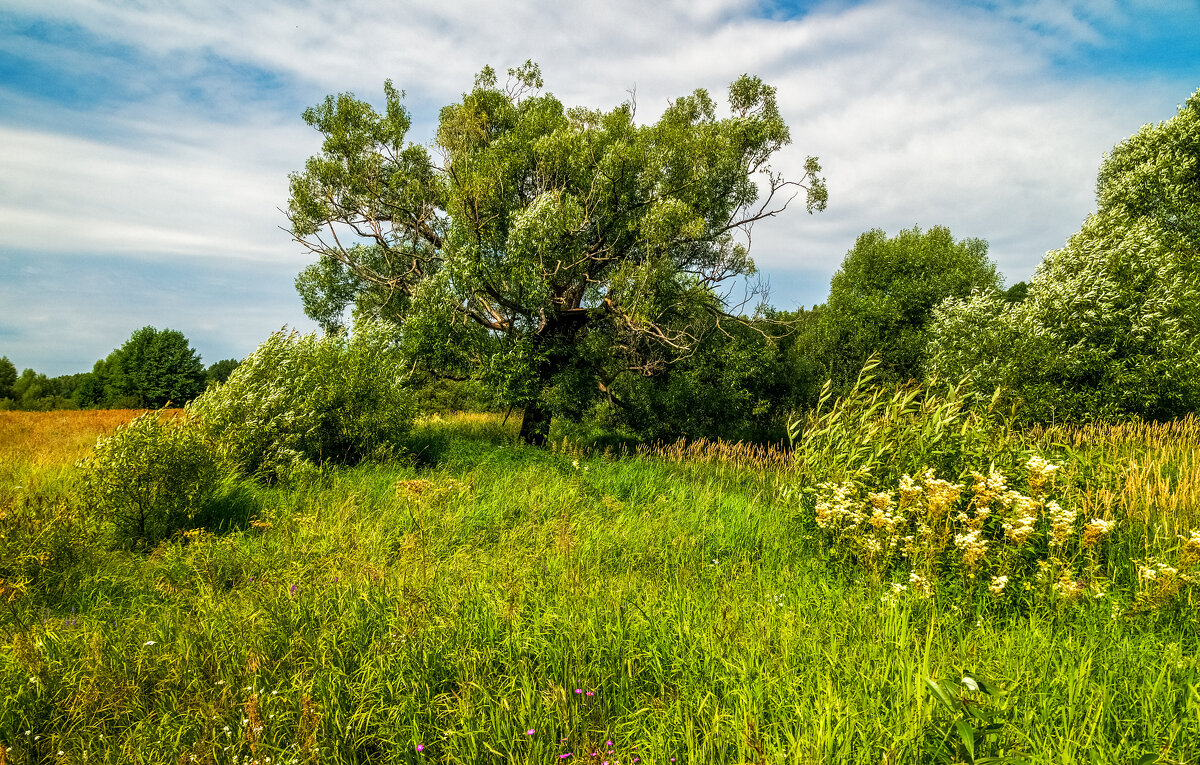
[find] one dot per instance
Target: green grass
(458, 598)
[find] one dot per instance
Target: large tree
(547, 250)
(882, 299)
(1111, 323)
(153, 368)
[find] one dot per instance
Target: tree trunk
(558, 337)
(535, 424)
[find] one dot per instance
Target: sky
(145, 146)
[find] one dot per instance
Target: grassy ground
(482, 601)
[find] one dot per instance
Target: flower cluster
(983, 531)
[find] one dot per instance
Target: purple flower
(293, 589)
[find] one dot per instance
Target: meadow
(474, 599)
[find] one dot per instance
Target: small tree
(151, 477)
(1111, 323)
(550, 250)
(882, 299)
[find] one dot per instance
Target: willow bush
(151, 477)
(300, 400)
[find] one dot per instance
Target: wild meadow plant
(984, 537)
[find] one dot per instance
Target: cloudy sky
(145, 146)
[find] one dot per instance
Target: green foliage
(740, 383)
(220, 371)
(327, 287)
(877, 433)
(1111, 323)
(8, 376)
(30, 391)
(89, 393)
(969, 735)
(151, 477)
(298, 400)
(551, 250)
(882, 299)
(153, 368)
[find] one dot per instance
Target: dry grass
(738, 454)
(47, 439)
(1148, 471)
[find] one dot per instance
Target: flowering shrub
(985, 535)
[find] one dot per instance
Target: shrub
(151, 477)
(299, 400)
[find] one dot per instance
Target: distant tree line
(151, 369)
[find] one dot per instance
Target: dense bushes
(740, 383)
(299, 400)
(296, 401)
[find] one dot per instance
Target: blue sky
(145, 147)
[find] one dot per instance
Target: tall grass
(457, 601)
(1148, 471)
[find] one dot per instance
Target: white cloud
(211, 192)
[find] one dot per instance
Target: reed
(1146, 471)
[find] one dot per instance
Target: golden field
(55, 438)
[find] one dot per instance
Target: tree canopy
(1111, 323)
(548, 250)
(153, 368)
(882, 299)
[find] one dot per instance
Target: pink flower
(579, 690)
(530, 732)
(420, 747)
